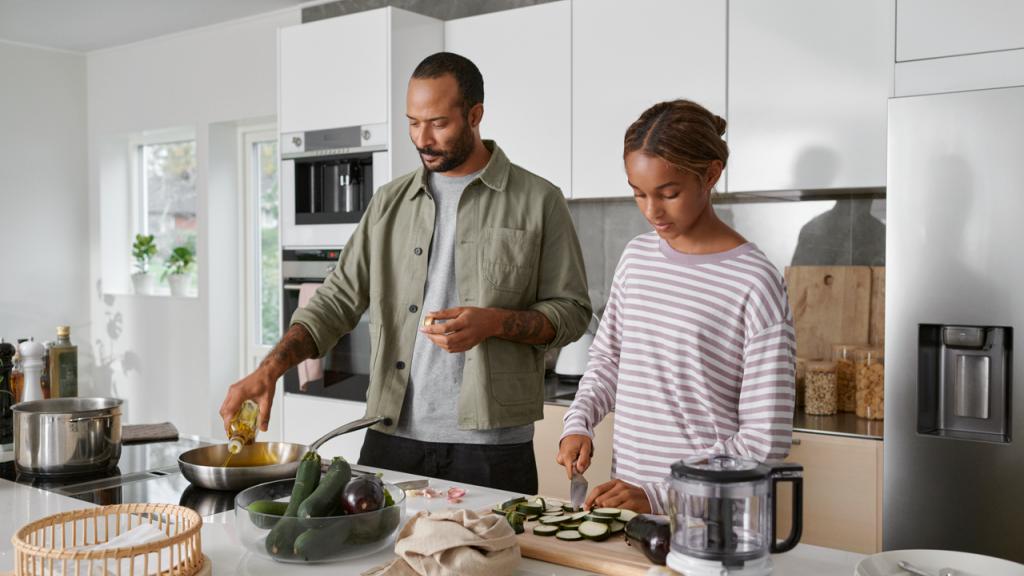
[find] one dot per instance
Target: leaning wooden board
(831, 305)
(612, 557)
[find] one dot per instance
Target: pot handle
(350, 427)
(87, 418)
(788, 472)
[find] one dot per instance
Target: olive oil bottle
(63, 365)
(243, 426)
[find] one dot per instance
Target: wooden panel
(876, 323)
(550, 475)
(831, 305)
(842, 492)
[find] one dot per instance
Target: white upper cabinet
(334, 72)
(937, 28)
(808, 84)
(627, 56)
(525, 58)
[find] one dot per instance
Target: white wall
(44, 278)
(167, 357)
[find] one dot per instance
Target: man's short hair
(466, 74)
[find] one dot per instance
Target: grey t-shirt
(430, 410)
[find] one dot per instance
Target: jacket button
(413, 308)
(400, 365)
(417, 250)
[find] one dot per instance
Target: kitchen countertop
(847, 424)
(20, 504)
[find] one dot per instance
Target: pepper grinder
(32, 364)
(6, 397)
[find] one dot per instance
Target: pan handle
(350, 427)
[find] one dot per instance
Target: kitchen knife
(577, 489)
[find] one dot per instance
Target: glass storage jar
(801, 379)
(870, 383)
(820, 394)
(846, 390)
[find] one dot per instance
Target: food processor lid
(719, 468)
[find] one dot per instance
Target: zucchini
(609, 512)
(516, 521)
(513, 502)
(571, 525)
(568, 508)
(529, 509)
(627, 515)
(320, 543)
(323, 501)
(556, 519)
(594, 530)
(539, 502)
(281, 540)
(616, 527)
(579, 516)
(546, 530)
(571, 535)
(266, 513)
(600, 519)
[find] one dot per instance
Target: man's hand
(575, 449)
(461, 328)
(258, 386)
(619, 494)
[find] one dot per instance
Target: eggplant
(363, 494)
(652, 535)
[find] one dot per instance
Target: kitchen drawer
(842, 492)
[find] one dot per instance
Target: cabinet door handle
(796, 442)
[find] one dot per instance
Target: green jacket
(516, 248)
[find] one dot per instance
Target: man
(470, 268)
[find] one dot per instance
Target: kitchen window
(263, 252)
(164, 173)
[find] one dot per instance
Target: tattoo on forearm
(528, 327)
(296, 346)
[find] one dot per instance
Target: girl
(695, 353)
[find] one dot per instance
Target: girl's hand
(575, 449)
(618, 494)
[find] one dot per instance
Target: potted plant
(143, 250)
(178, 264)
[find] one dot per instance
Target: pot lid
(719, 468)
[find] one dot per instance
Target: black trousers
(510, 467)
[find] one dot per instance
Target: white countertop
(21, 504)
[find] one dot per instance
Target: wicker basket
(49, 546)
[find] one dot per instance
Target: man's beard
(451, 159)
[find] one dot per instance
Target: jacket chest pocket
(508, 258)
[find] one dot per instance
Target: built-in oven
(346, 368)
(327, 179)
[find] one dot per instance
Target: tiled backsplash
(846, 232)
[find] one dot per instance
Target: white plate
(886, 563)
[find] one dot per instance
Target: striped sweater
(695, 355)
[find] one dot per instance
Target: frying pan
(204, 467)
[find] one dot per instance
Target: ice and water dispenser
(965, 382)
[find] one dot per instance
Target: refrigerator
(954, 397)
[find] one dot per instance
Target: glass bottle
(846, 390)
(6, 396)
(17, 372)
(63, 365)
(44, 378)
(243, 426)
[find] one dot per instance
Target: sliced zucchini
(594, 530)
(539, 502)
(579, 516)
(600, 519)
(571, 535)
(532, 517)
(568, 508)
(627, 515)
(529, 509)
(509, 503)
(546, 530)
(617, 527)
(554, 520)
(572, 525)
(610, 512)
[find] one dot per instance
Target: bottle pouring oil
(242, 430)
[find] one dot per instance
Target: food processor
(722, 514)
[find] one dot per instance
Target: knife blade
(577, 490)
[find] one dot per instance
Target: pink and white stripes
(695, 355)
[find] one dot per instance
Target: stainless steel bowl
(67, 436)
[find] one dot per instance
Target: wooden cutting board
(612, 557)
(831, 305)
(876, 332)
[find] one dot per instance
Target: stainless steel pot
(204, 467)
(67, 436)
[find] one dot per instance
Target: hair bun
(719, 123)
